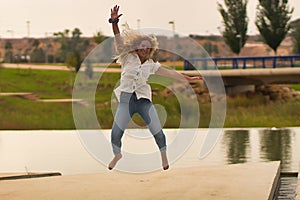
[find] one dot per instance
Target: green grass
(21, 113)
(18, 113)
(295, 87)
(44, 83)
(257, 112)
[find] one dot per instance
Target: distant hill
(213, 44)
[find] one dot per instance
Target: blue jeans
(128, 106)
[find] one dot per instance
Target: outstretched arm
(114, 19)
(175, 75)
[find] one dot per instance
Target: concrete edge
(276, 184)
(5, 177)
(298, 185)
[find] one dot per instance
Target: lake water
(62, 151)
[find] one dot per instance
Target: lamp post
(46, 47)
(11, 32)
(28, 28)
(173, 26)
(138, 24)
(240, 42)
(172, 23)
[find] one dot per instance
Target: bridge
(243, 62)
(267, 70)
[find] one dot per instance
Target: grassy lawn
(44, 83)
(295, 87)
(22, 113)
(257, 112)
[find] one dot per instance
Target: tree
(62, 38)
(72, 48)
(38, 54)
(99, 37)
(295, 33)
(235, 22)
(8, 57)
(272, 21)
(35, 43)
(211, 48)
(78, 46)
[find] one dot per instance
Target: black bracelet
(113, 21)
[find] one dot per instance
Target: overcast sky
(48, 16)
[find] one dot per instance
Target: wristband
(113, 21)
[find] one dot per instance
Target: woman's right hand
(114, 12)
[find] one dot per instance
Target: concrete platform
(240, 181)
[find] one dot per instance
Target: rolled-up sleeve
(155, 67)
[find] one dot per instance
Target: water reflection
(62, 150)
(276, 145)
(271, 145)
(236, 144)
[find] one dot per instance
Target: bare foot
(114, 161)
(164, 160)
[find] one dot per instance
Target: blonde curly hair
(131, 41)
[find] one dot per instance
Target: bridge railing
(242, 62)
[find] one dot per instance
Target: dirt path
(53, 67)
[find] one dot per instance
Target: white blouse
(134, 76)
